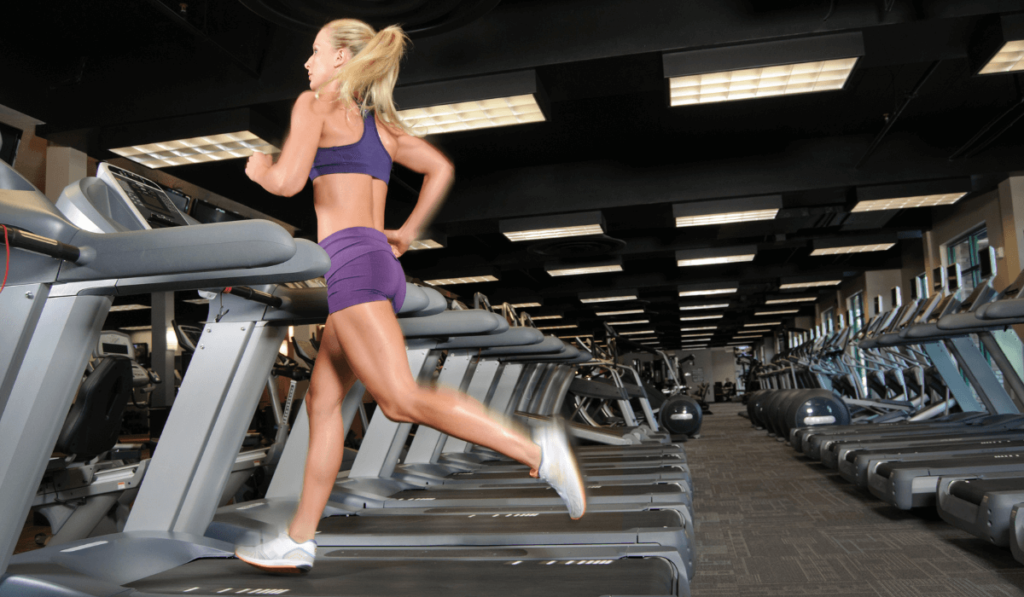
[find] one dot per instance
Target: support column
(64, 165)
(163, 354)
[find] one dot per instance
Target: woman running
(345, 134)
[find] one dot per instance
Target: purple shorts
(363, 269)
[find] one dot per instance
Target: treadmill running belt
(443, 577)
(525, 473)
(974, 490)
(533, 492)
(490, 524)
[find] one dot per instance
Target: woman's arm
(438, 173)
(288, 176)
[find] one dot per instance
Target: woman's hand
(258, 165)
(399, 241)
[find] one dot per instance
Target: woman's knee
(401, 406)
(323, 399)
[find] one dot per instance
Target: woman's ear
(341, 57)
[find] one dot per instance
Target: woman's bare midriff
(347, 200)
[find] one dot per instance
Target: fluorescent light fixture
(524, 306)
(196, 150)
(785, 67)
(646, 338)
(761, 323)
(815, 284)
(697, 329)
(706, 335)
(691, 257)
(695, 307)
(761, 332)
(431, 239)
(726, 211)
(118, 308)
(853, 244)
(462, 280)
(911, 194)
(576, 336)
(586, 223)
(543, 317)
(198, 301)
(707, 289)
(580, 269)
(853, 249)
(625, 312)
(634, 322)
(795, 299)
(698, 317)
(558, 327)
(636, 332)
(762, 313)
(908, 202)
(471, 103)
(999, 47)
(136, 328)
(608, 296)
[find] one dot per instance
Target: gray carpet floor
(769, 522)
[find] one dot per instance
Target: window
(965, 252)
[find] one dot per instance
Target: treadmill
(167, 554)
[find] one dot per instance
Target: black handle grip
(255, 295)
(22, 239)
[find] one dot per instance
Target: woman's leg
(372, 340)
(331, 379)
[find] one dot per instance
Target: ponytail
(368, 78)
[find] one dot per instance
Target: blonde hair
(370, 74)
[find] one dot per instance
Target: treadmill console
(148, 200)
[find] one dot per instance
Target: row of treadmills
(963, 455)
(416, 514)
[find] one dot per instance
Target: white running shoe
(281, 555)
(558, 466)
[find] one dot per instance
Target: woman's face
(324, 61)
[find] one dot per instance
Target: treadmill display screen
(151, 200)
(115, 348)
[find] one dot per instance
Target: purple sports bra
(365, 156)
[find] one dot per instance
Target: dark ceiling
(610, 141)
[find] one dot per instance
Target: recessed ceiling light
(908, 202)
(136, 328)
(853, 249)
(576, 336)
(625, 312)
(695, 307)
(707, 335)
(818, 284)
(558, 327)
(726, 211)
(557, 226)
(634, 322)
(543, 317)
(646, 338)
(707, 289)
(761, 323)
(525, 306)
(785, 312)
(695, 318)
(424, 244)
(583, 270)
(463, 280)
(795, 299)
(716, 256)
(697, 329)
(196, 150)
(636, 332)
(469, 115)
(787, 79)
(608, 296)
(1009, 58)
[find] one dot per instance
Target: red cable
(8, 268)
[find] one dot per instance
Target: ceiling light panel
(1009, 58)
(558, 327)
(580, 271)
(480, 114)
(761, 323)
(711, 289)
(726, 211)
(634, 322)
(795, 299)
(818, 284)
(576, 336)
(713, 256)
(543, 317)
(714, 260)
(697, 329)
(136, 328)
(908, 202)
(608, 296)
(586, 223)
(636, 332)
(853, 249)
(463, 280)
(762, 313)
(700, 317)
(196, 150)
(706, 335)
(788, 79)
(425, 244)
(624, 312)
(695, 307)
(525, 305)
